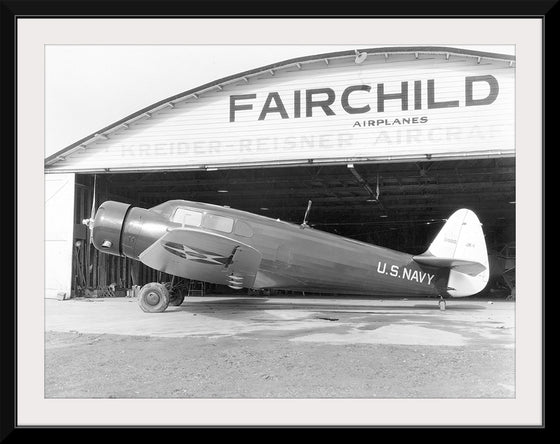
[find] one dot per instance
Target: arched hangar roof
(300, 62)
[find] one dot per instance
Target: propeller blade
(93, 201)
(92, 216)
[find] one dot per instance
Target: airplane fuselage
(293, 257)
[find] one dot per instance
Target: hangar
(386, 143)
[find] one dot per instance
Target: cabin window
(187, 217)
(219, 223)
(243, 229)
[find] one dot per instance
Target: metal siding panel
(197, 132)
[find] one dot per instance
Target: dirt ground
(279, 348)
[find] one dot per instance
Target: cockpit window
(187, 217)
(243, 229)
(219, 223)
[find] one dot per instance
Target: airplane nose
(107, 226)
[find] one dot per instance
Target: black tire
(153, 298)
(176, 297)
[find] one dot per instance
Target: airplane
(222, 245)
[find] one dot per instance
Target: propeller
(89, 222)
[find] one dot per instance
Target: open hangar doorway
(400, 206)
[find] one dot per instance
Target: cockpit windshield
(185, 216)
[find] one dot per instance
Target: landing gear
(153, 298)
(176, 297)
(442, 303)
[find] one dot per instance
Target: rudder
(460, 246)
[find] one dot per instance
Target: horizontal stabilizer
(471, 268)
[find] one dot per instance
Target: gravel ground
(112, 366)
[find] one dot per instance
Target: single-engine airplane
(221, 245)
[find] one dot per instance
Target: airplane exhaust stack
(235, 282)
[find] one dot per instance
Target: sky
(88, 87)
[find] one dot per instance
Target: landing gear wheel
(442, 304)
(176, 297)
(153, 298)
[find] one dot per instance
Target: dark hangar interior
(400, 206)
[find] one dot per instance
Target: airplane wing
(203, 256)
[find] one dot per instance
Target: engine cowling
(107, 227)
(123, 230)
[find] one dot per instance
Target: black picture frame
(12, 11)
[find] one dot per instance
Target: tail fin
(460, 246)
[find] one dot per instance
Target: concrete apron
(319, 320)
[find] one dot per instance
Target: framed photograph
(279, 221)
